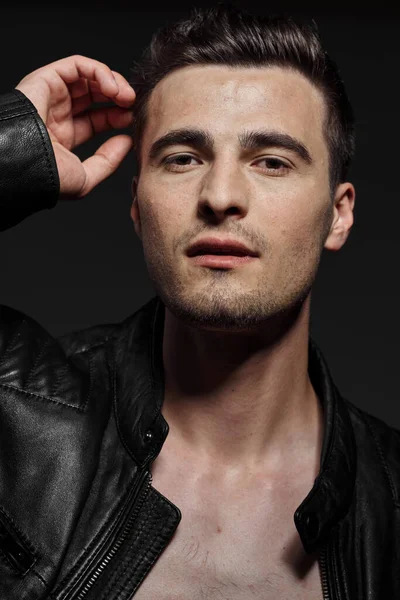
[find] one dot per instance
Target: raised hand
(62, 93)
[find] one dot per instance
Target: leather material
(29, 179)
(80, 424)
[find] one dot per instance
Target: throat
(244, 440)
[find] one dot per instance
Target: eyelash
(169, 161)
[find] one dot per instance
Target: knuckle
(79, 58)
(87, 59)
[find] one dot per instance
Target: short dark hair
(228, 35)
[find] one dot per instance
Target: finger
(78, 88)
(82, 100)
(74, 67)
(99, 120)
(105, 161)
(96, 93)
(83, 92)
(80, 104)
(126, 95)
(111, 83)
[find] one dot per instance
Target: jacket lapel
(135, 358)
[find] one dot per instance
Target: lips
(220, 247)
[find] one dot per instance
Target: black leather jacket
(81, 423)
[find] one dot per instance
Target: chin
(215, 311)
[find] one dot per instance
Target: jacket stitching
(17, 114)
(72, 573)
(81, 408)
(48, 163)
(15, 100)
(384, 464)
(40, 396)
(18, 98)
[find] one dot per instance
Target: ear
(135, 214)
(343, 217)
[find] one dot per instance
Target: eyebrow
(248, 140)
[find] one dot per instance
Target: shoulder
(84, 340)
(38, 365)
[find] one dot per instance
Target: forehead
(226, 100)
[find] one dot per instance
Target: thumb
(105, 161)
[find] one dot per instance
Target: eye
(275, 166)
(178, 162)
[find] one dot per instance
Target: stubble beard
(221, 305)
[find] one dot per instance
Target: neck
(241, 400)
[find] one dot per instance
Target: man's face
(271, 195)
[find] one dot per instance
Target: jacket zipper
(143, 489)
(322, 565)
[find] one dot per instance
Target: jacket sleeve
(43, 396)
(29, 179)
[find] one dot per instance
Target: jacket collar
(135, 358)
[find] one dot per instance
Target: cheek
(301, 232)
(163, 212)
(158, 224)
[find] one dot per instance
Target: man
(199, 449)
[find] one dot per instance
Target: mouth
(220, 254)
(221, 261)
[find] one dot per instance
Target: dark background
(81, 263)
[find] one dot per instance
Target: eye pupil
(181, 159)
(273, 162)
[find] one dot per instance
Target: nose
(224, 192)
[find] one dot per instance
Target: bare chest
(239, 545)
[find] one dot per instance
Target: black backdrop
(81, 263)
